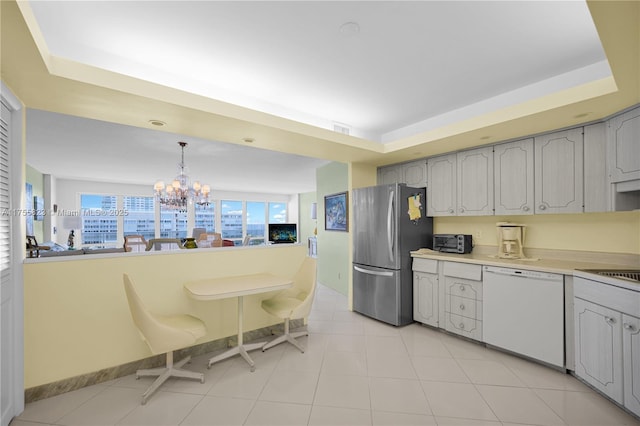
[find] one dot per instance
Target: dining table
(237, 286)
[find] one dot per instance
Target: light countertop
(552, 261)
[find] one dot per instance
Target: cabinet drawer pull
(461, 326)
(629, 327)
(461, 210)
(461, 307)
(610, 320)
(542, 207)
(461, 287)
(525, 208)
(451, 211)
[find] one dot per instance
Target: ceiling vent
(341, 128)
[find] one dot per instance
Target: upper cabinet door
(559, 172)
(513, 178)
(389, 174)
(624, 146)
(475, 182)
(415, 173)
(441, 190)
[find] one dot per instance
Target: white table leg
(241, 349)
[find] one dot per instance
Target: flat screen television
(283, 233)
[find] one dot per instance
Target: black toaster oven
(452, 243)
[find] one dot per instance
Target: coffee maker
(510, 240)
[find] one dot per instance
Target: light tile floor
(356, 371)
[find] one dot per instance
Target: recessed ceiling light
(484, 138)
(157, 123)
(349, 29)
(584, 114)
(248, 140)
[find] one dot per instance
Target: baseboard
(67, 385)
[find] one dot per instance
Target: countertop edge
(564, 267)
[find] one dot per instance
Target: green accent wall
(334, 260)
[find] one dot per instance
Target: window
(231, 220)
(140, 217)
(99, 220)
(277, 212)
(5, 195)
(206, 217)
(255, 222)
(173, 223)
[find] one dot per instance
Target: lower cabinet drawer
(463, 326)
(464, 307)
(463, 288)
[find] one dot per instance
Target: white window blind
(5, 188)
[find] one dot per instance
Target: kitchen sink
(632, 275)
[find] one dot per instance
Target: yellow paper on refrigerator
(415, 211)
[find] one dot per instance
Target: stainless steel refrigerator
(389, 221)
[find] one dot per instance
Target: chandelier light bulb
(181, 193)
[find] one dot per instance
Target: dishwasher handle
(536, 275)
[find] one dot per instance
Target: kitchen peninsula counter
(553, 261)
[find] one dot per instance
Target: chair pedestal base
(163, 373)
(287, 337)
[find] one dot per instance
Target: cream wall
(77, 318)
(616, 232)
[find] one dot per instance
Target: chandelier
(180, 192)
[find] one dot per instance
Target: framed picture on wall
(336, 212)
(38, 206)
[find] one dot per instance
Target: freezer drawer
(378, 293)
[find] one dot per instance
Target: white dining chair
(293, 303)
(163, 334)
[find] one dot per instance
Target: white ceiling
(78, 148)
(410, 66)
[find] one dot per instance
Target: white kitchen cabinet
(425, 298)
(389, 174)
(599, 347)
(441, 190)
(475, 182)
(597, 187)
(513, 178)
(461, 184)
(631, 362)
(462, 310)
(425, 291)
(607, 336)
(413, 174)
(558, 163)
(623, 142)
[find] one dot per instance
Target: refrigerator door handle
(370, 272)
(390, 228)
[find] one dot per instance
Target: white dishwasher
(523, 312)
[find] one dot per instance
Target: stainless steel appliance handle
(390, 226)
(367, 271)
